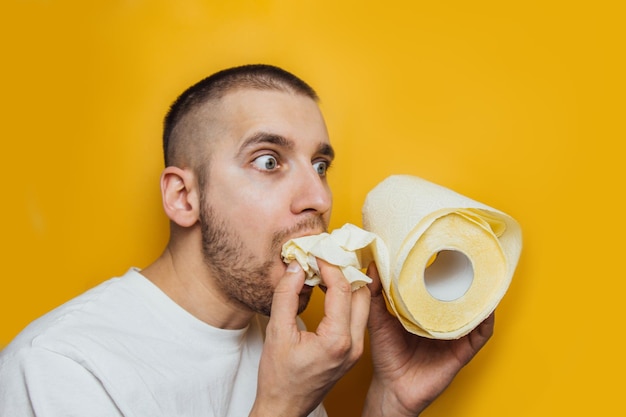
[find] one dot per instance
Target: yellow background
(519, 105)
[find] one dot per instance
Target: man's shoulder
(74, 318)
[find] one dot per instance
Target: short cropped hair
(214, 87)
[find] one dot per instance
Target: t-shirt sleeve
(320, 411)
(38, 382)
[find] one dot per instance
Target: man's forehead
(244, 113)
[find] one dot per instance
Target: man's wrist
(381, 402)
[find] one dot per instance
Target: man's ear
(181, 200)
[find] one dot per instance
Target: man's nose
(310, 192)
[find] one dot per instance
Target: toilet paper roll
(446, 261)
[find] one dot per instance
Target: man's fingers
(378, 304)
(286, 297)
(345, 312)
(338, 299)
(376, 287)
(361, 299)
(484, 331)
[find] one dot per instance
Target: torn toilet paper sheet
(347, 247)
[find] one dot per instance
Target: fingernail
(294, 266)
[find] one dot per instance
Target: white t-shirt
(124, 348)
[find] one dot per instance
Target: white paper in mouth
(450, 275)
(345, 247)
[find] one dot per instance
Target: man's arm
(36, 381)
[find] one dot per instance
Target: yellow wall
(517, 104)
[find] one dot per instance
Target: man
(246, 155)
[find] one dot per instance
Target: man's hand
(297, 367)
(411, 371)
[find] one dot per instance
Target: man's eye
(266, 162)
(321, 167)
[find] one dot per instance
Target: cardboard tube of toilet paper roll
(447, 260)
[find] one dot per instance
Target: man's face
(266, 184)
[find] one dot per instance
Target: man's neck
(188, 282)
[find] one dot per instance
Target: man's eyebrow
(272, 138)
(327, 150)
(268, 138)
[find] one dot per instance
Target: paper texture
(448, 261)
(343, 247)
(445, 261)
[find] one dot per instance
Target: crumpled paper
(347, 247)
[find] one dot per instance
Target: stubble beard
(238, 273)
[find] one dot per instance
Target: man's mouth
(310, 226)
(302, 234)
